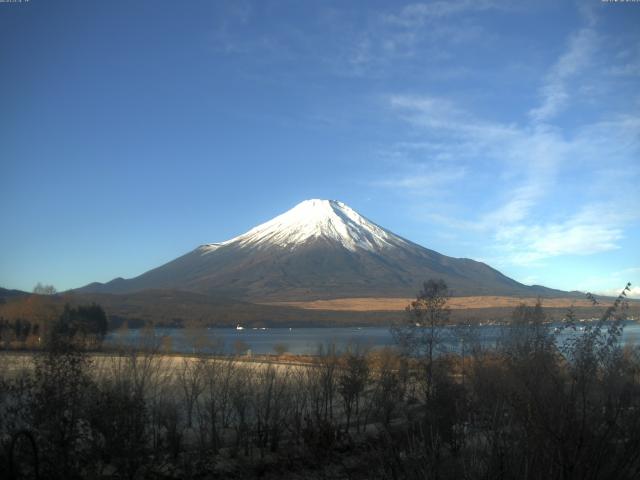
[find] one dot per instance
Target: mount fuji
(320, 249)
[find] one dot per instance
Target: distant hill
(6, 294)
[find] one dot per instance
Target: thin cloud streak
(417, 14)
(425, 183)
(555, 91)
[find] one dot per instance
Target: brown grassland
(454, 303)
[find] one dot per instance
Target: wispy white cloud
(611, 284)
(634, 292)
(529, 156)
(516, 208)
(603, 282)
(441, 114)
(423, 30)
(524, 243)
(556, 89)
(425, 182)
(531, 159)
(417, 14)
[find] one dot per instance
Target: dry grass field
(455, 303)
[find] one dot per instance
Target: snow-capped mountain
(314, 219)
(318, 249)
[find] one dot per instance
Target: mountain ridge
(319, 249)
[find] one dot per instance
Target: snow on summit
(315, 218)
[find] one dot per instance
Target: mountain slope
(319, 249)
(6, 294)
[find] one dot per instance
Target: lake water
(300, 340)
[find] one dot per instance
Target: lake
(302, 340)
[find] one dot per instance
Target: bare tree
(387, 386)
(299, 401)
(41, 289)
(421, 334)
(190, 378)
(240, 399)
(212, 408)
(352, 381)
(327, 366)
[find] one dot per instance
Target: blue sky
(508, 132)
